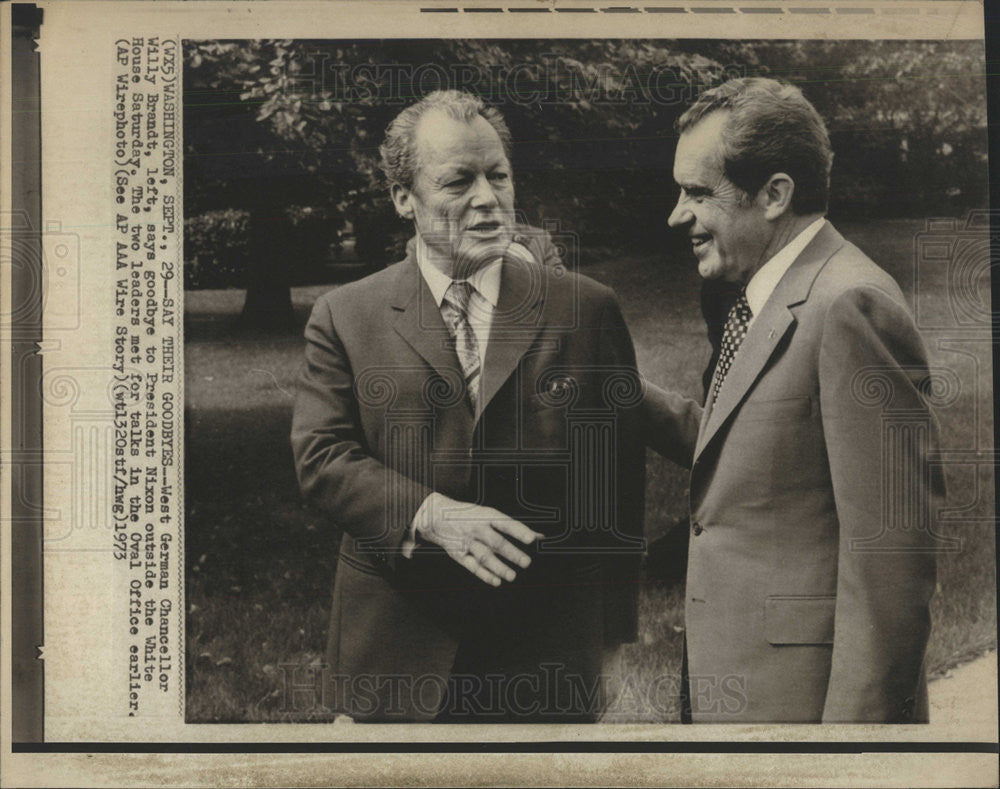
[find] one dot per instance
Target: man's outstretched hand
(476, 537)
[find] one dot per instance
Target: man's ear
(403, 200)
(776, 195)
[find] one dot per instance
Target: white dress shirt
(485, 295)
(762, 284)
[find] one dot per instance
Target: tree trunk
(268, 304)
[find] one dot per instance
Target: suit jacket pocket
(798, 407)
(544, 420)
(563, 392)
(802, 619)
(359, 564)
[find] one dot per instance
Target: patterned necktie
(455, 311)
(732, 337)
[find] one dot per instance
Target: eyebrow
(696, 191)
(452, 171)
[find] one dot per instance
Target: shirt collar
(486, 280)
(762, 284)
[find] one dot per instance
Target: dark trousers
(546, 691)
(541, 666)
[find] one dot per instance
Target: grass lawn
(260, 564)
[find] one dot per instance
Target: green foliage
(215, 249)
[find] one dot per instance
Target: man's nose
(681, 215)
(484, 195)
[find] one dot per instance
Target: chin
(710, 269)
(472, 258)
(482, 251)
(714, 268)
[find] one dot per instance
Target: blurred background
(283, 200)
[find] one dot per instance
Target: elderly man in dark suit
(812, 559)
(468, 417)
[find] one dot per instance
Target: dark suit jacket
(812, 560)
(381, 419)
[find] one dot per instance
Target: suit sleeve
(670, 424)
(871, 363)
(364, 497)
(623, 562)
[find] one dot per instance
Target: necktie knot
(459, 293)
(742, 308)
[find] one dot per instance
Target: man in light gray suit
(811, 561)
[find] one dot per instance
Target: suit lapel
(775, 320)
(418, 320)
(516, 322)
(762, 338)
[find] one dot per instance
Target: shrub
(217, 244)
(215, 249)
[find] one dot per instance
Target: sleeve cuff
(422, 514)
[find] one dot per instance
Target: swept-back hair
(399, 154)
(770, 127)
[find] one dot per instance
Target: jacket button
(696, 528)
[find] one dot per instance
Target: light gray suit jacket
(812, 556)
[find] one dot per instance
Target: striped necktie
(455, 311)
(732, 337)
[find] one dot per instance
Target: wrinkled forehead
(441, 141)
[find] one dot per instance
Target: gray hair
(771, 127)
(399, 154)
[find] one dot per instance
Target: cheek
(719, 234)
(454, 209)
(707, 220)
(723, 225)
(442, 212)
